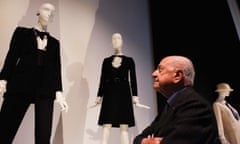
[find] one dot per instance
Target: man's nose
(153, 75)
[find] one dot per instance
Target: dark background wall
(203, 31)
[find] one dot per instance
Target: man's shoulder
(189, 94)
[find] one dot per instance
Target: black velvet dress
(117, 86)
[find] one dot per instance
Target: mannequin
(227, 117)
(115, 93)
(31, 74)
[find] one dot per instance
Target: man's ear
(178, 76)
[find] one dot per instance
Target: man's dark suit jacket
(188, 120)
(20, 64)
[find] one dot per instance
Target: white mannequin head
(45, 13)
(223, 89)
(117, 42)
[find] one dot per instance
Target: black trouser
(12, 113)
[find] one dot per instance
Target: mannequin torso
(227, 117)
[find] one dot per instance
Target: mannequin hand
(61, 101)
(98, 100)
(135, 99)
(3, 89)
(136, 102)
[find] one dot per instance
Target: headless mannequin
(227, 117)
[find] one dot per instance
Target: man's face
(163, 76)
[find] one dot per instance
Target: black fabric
(189, 120)
(33, 76)
(12, 114)
(22, 63)
(117, 86)
(235, 113)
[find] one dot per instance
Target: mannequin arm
(97, 102)
(136, 102)
(61, 101)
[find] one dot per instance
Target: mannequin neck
(221, 99)
(41, 27)
(118, 51)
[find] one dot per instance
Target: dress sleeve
(133, 78)
(102, 78)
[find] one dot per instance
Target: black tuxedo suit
(187, 119)
(21, 64)
(33, 76)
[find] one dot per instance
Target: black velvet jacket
(189, 120)
(21, 66)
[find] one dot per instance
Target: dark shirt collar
(174, 95)
(39, 33)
